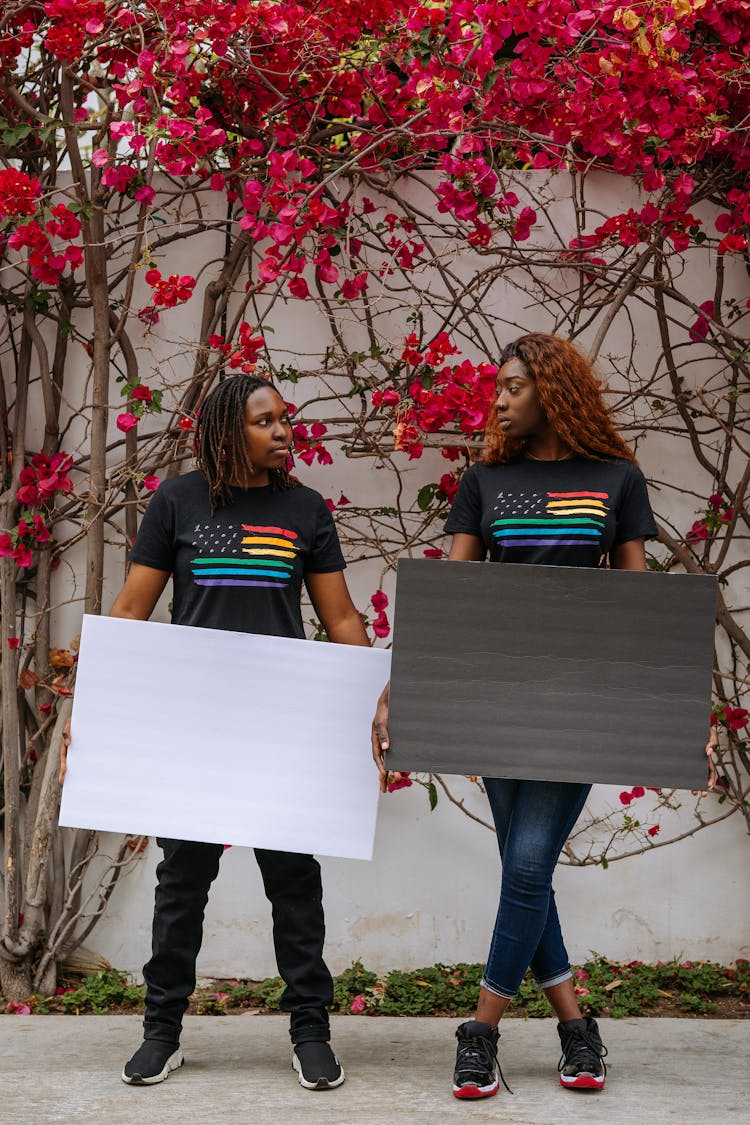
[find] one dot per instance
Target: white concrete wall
(430, 893)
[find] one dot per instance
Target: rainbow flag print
(264, 556)
(550, 519)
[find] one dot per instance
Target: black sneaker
(317, 1066)
(152, 1063)
(581, 1066)
(476, 1073)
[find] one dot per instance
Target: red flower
(379, 601)
(432, 553)
(22, 555)
(13, 642)
(297, 286)
(16, 1009)
(735, 717)
(126, 421)
(358, 1004)
(654, 830)
(187, 424)
(625, 797)
(28, 494)
(698, 532)
(142, 393)
(402, 782)
(380, 626)
(18, 193)
(151, 483)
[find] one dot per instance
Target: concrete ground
(66, 1069)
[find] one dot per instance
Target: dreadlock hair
(570, 397)
(220, 445)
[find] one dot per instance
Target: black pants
(293, 887)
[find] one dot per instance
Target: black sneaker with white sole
(153, 1062)
(476, 1073)
(317, 1066)
(581, 1066)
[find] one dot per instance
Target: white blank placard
(228, 738)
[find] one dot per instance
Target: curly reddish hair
(570, 397)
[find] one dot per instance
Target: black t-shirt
(558, 513)
(242, 567)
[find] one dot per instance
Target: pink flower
(402, 782)
(144, 194)
(699, 330)
(16, 1009)
(638, 791)
(298, 288)
(354, 287)
(380, 626)
(343, 501)
(27, 494)
(22, 555)
(41, 531)
(151, 483)
(358, 1004)
(379, 601)
(126, 421)
(698, 532)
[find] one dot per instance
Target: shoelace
(478, 1052)
(581, 1051)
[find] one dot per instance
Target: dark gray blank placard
(552, 673)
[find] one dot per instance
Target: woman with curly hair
(556, 485)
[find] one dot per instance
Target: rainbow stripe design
(264, 557)
(564, 519)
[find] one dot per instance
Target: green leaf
(425, 496)
(433, 795)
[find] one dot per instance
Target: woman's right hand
(380, 739)
(65, 743)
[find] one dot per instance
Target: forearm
(348, 630)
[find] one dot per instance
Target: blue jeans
(533, 820)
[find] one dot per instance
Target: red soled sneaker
(581, 1065)
(476, 1073)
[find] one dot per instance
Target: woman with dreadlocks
(556, 485)
(238, 537)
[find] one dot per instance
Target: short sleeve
(635, 520)
(465, 517)
(155, 542)
(325, 554)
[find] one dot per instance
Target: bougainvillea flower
(126, 421)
